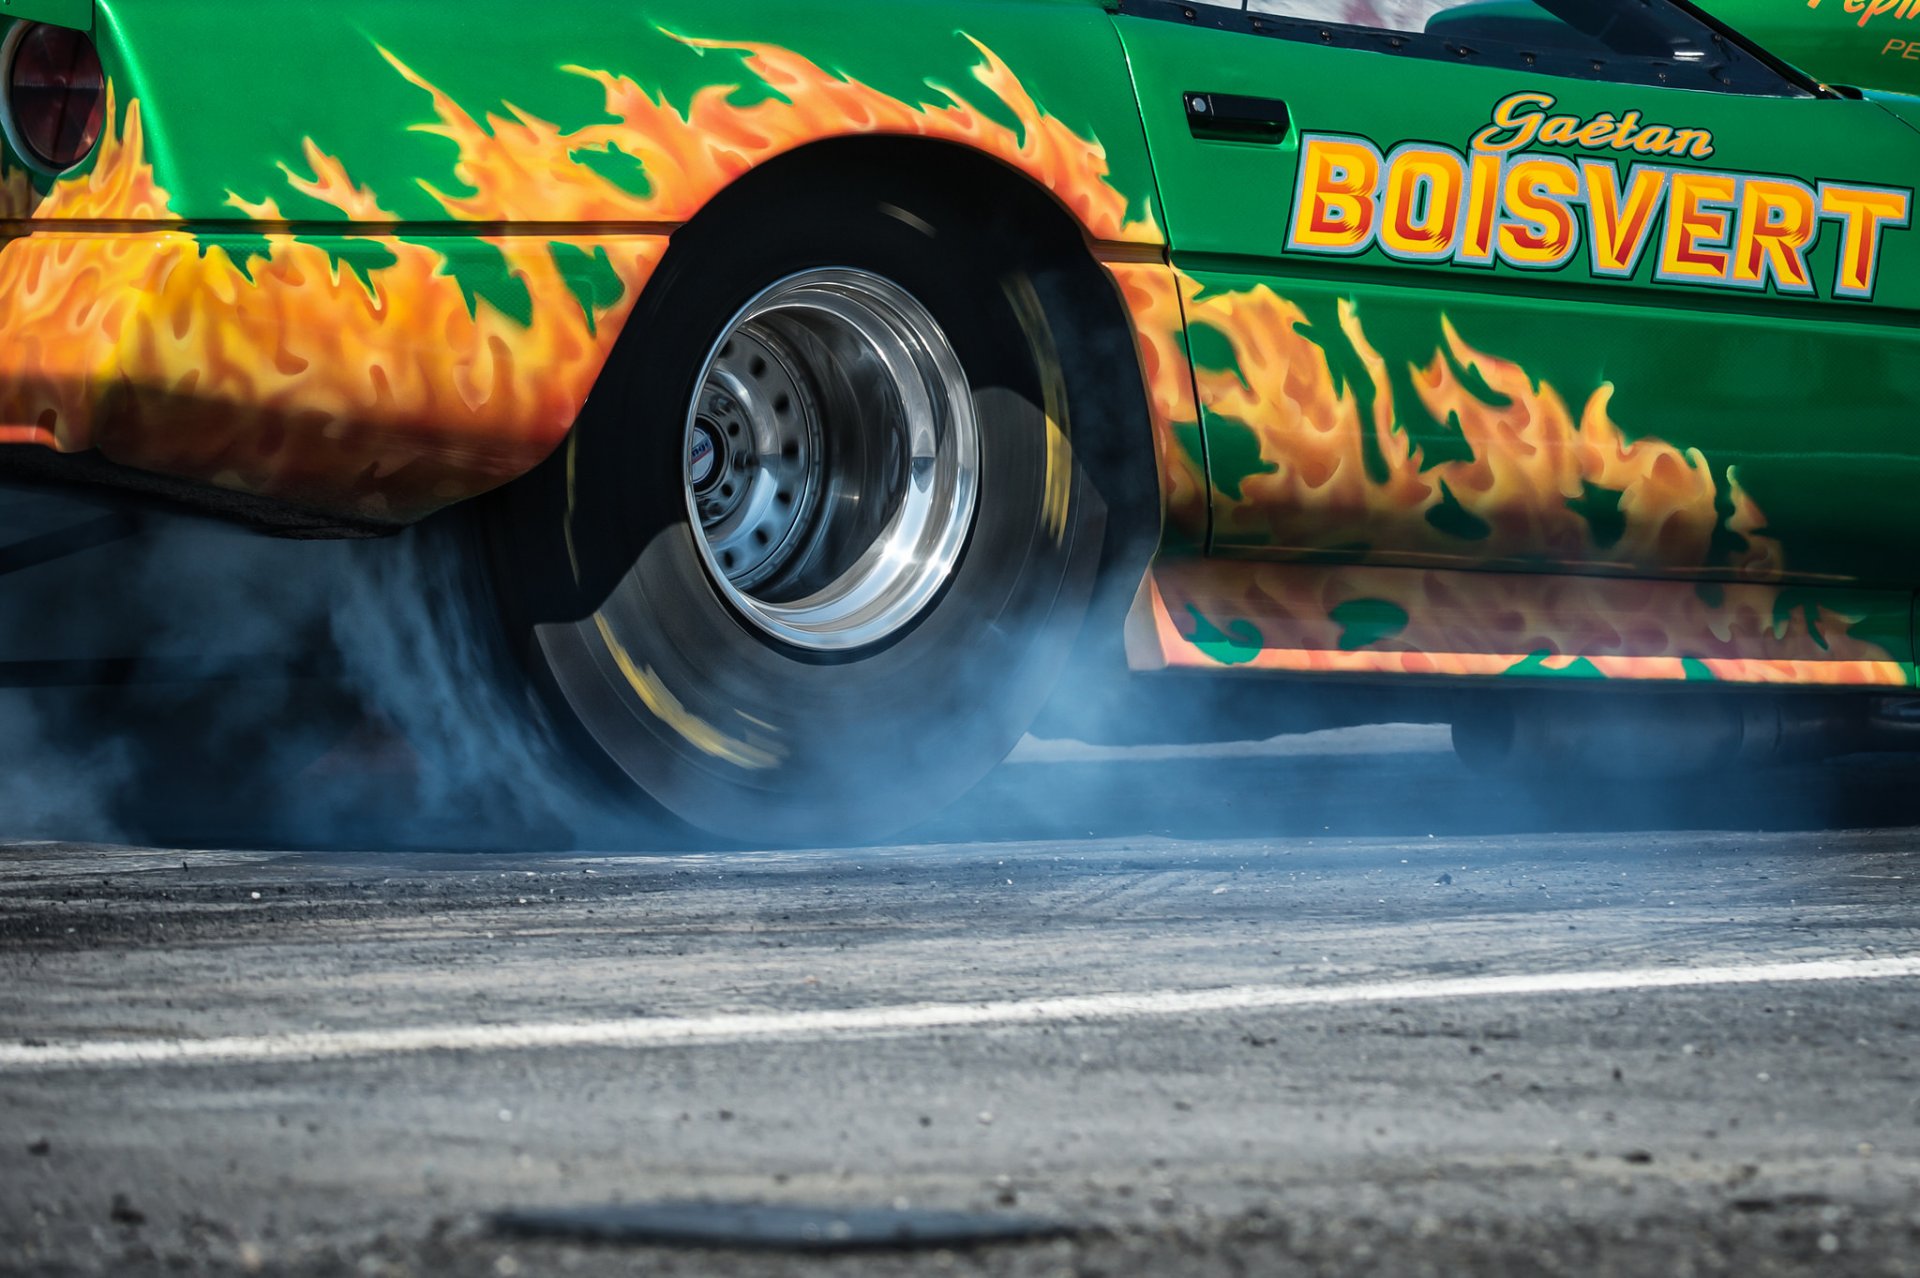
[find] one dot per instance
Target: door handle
(1233, 117)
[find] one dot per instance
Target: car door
(1587, 287)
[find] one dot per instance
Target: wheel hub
(753, 456)
(831, 463)
(704, 466)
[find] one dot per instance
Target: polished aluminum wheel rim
(831, 460)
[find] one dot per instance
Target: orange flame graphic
(1151, 294)
(521, 168)
(1211, 613)
(1531, 458)
(386, 393)
(17, 196)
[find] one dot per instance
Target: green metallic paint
(1865, 44)
(1904, 106)
(1820, 420)
(1232, 199)
(437, 323)
(1539, 666)
(1324, 619)
(1819, 417)
(1803, 409)
(1364, 622)
(495, 56)
(77, 14)
(1235, 645)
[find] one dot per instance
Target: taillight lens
(56, 96)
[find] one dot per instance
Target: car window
(1652, 42)
(1517, 21)
(1602, 28)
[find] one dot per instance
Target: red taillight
(56, 95)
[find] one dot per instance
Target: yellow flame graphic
(1530, 458)
(1287, 617)
(386, 393)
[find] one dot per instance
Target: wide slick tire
(852, 667)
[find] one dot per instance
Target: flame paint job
(1537, 485)
(1151, 293)
(387, 374)
(1397, 468)
(1303, 618)
(1538, 467)
(1530, 479)
(343, 373)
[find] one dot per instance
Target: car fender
(370, 258)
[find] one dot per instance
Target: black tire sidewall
(859, 742)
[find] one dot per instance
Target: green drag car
(822, 381)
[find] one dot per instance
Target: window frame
(1749, 71)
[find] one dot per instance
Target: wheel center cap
(703, 456)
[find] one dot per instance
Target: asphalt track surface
(1328, 1005)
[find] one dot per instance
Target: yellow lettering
(1694, 247)
(1595, 132)
(1777, 225)
(1337, 209)
(1654, 140)
(1622, 222)
(1560, 130)
(1483, 209)
(1520, 119)
(1540, 230)
(1427, 202)
(1695, 142)
(1508, 118)
(1863, 212)
(1422, 210)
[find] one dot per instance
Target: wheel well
(1117, 454)
(958, 173)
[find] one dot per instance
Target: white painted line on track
(1370, 739)
(740, 1027)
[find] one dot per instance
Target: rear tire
(781, 695)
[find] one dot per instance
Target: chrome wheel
(832, 460)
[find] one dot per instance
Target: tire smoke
(170, 680)
(186, 681)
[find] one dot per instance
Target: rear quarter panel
(370, 257)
